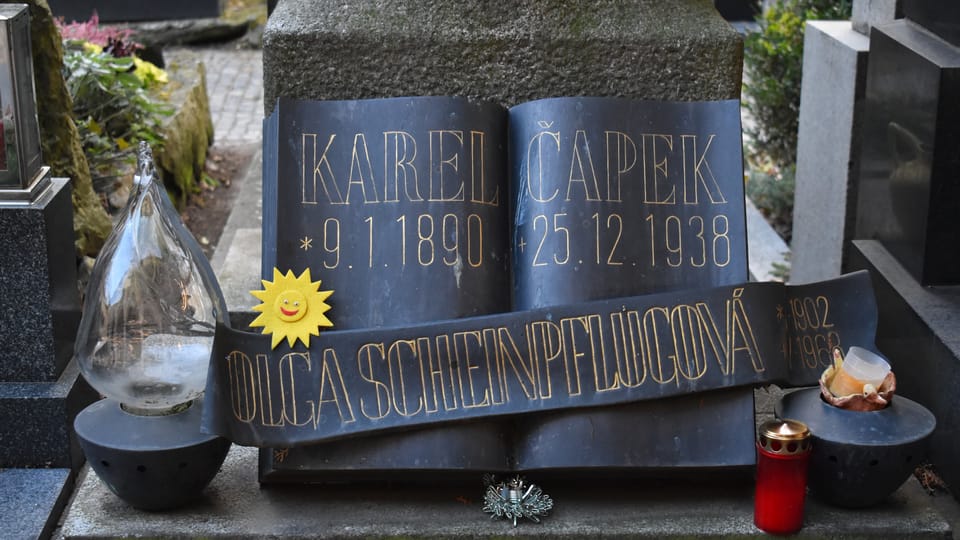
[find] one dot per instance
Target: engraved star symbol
(780, 313)
(306, 243)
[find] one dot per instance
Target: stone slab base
(713, 506)
(36, 421)
(31, 501)
(918, 333)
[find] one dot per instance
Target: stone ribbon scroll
(588, 354)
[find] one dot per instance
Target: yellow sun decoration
(293, 308)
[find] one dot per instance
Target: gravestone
(828, 148)
(908, 195)
(40, 388)
(134, 10)
(909, 200)
(508, 52)
(869, 13)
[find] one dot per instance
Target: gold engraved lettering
(399, 151)
(571, 354)
(464, 364)
(361, 171)
(474, 240)
(655, 170)
(688, 341)
(697, 172)
(425, 236)
(331, 242)
(675, 247)
(621, 158)
(635, 370)
(656, 322)
(269, 415)
(440, 180)
(525, 372)
(742, 338)
(582, 172)
(365, 357)
(332, 380)
(428, 374)
(243, 386)
(317, 168)
(478, 173)
(605, 376)
(536, 179)
(721, 231)
(445, 358)
(398, 386)
(703, 242)
(491, 353)
(545, 343)
(288, 390)
(719, 342)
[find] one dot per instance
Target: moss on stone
(60, 141)
(187, 134)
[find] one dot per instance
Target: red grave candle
(783, 451)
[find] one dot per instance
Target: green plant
(773, 61)
(112, 106)
(771, 190)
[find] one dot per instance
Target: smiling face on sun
(293, 308)
(290, 306)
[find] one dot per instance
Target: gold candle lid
(786, 437)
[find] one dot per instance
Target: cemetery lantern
(149, 317)
(22, 176)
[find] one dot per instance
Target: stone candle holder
(859, 457)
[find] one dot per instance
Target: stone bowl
(151, 462)
(859, 458)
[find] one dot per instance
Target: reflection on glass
(151, 306)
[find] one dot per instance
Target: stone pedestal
(709, 506)
(917, 331)
(40, 301)
(828, 148)
(504, 51)
(40, 387)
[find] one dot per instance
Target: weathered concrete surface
(234, 506)
(502, 50)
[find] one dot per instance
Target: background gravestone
(828, 148)
(509, 52)
(135, 10)
(889, 203)
(908, 206)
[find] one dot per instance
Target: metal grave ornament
(514, 499)
(22, 175)
(149, 315)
